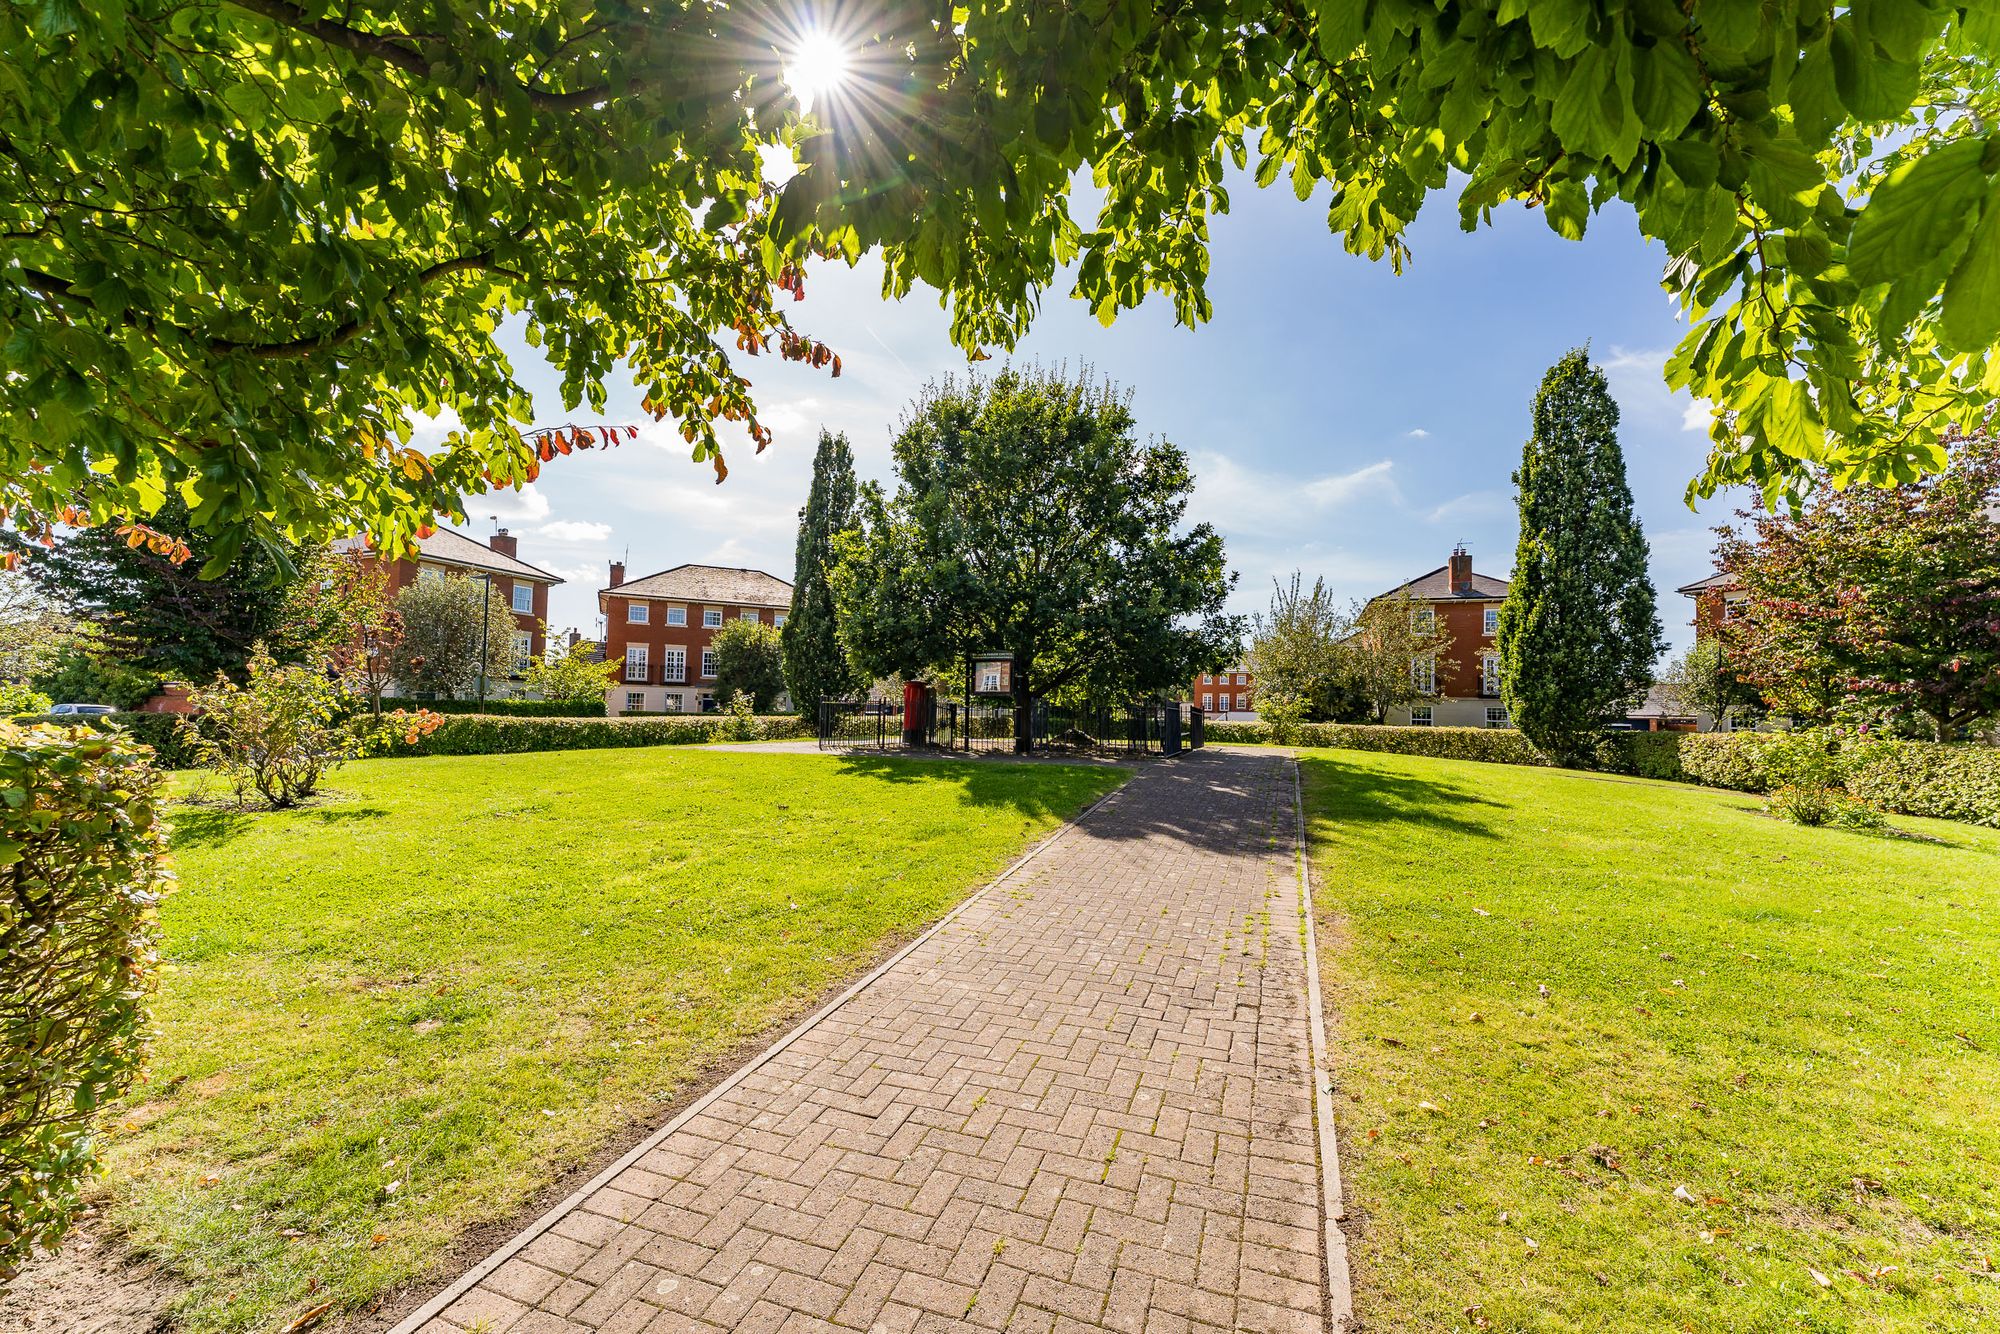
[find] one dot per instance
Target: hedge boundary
(486, 734)
(501, 708)
(1943, 781)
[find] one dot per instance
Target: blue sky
(1342, 420)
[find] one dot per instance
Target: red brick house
(1466, 606)
(1716, 599)
(658, 629)
(447, 551)
(1223, 695)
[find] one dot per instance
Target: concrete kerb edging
(1339, 1283)
(471, 1278)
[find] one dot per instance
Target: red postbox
(916, 712)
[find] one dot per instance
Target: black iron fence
(1154, 727)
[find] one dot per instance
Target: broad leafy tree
(445, 622)
(33, 628)
(1579, 630)
(1296, 651)
(576, 675)
(364, 656)
(157, 612)
(1877, 604)
(1702, 681)
(241, 244)
(1397, 654)
(749, 661)
(1028, 519)
(815, 664)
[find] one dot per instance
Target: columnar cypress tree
(816, 666)
(1579, 630)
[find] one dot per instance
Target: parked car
(81, 710)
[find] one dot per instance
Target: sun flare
(818, 66)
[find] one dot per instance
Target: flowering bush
(279, 733)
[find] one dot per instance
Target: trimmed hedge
(1945, 782)
(501, 708)
(1491, 744)
(82, 869)
(481, 734)
(161, 731)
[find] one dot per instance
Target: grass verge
(394, 1015)
(1628, 1055)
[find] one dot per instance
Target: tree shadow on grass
(207, 826)
(984, 782)
(1342, 793)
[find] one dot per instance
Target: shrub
(82, 673)
(280, 733)
(18, 697)
(1493, 745)
(1642, 754)
(743, 724)
(1943, 782)
(82, 866)
(1804, 803)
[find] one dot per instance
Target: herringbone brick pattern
(1084, 1104)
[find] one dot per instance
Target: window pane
(677, 616)
(636, 613)
(524, 598)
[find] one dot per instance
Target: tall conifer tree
(816, 666)
(1579, 630)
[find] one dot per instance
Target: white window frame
(635, 701)
(670, 703)
(1490, 622)
(750, 614)
(1208, 678)
(524, 650)
(1489, 673)
(1420, 716)
(516, 599)
(708, 664)
(1242, 679)
(778, 619)
(635, 655)
(1423, 674)
(711, 618)
(1496, 716)
(425, 572)
(673, 664)
(638, 613)
(1242, 703)
(1208, 701)
(1423, 620)
(677, 616)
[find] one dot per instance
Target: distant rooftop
(1720, 579)
(448, 546)
(1436, 587)
(709, 583)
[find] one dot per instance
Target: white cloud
(528, 505)
(1417, 433)
(576, 530)
(1474, 505)
(1696, 416)
(1241, 499)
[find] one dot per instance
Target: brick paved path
(1083, 1104)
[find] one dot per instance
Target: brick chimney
(1461, 572)
(505, 543)
(617, 573)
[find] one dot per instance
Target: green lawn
(1796, 1028)
(396, 1014)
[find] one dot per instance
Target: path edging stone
(1333, 1208)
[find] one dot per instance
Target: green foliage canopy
(749, 662)
(445, 621)
(1029, 520)
(242, 242)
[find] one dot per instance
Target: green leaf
(1814, 94)
(1666, 88)
(1733, 24)
(1902, 28)
(1563, 26)
(1972, 293)
(1916, 214)
(1340, 26)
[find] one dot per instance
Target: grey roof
(708, 583)
(1436, 587)
(1659, 703)
(1720, 579)
(448, 546)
